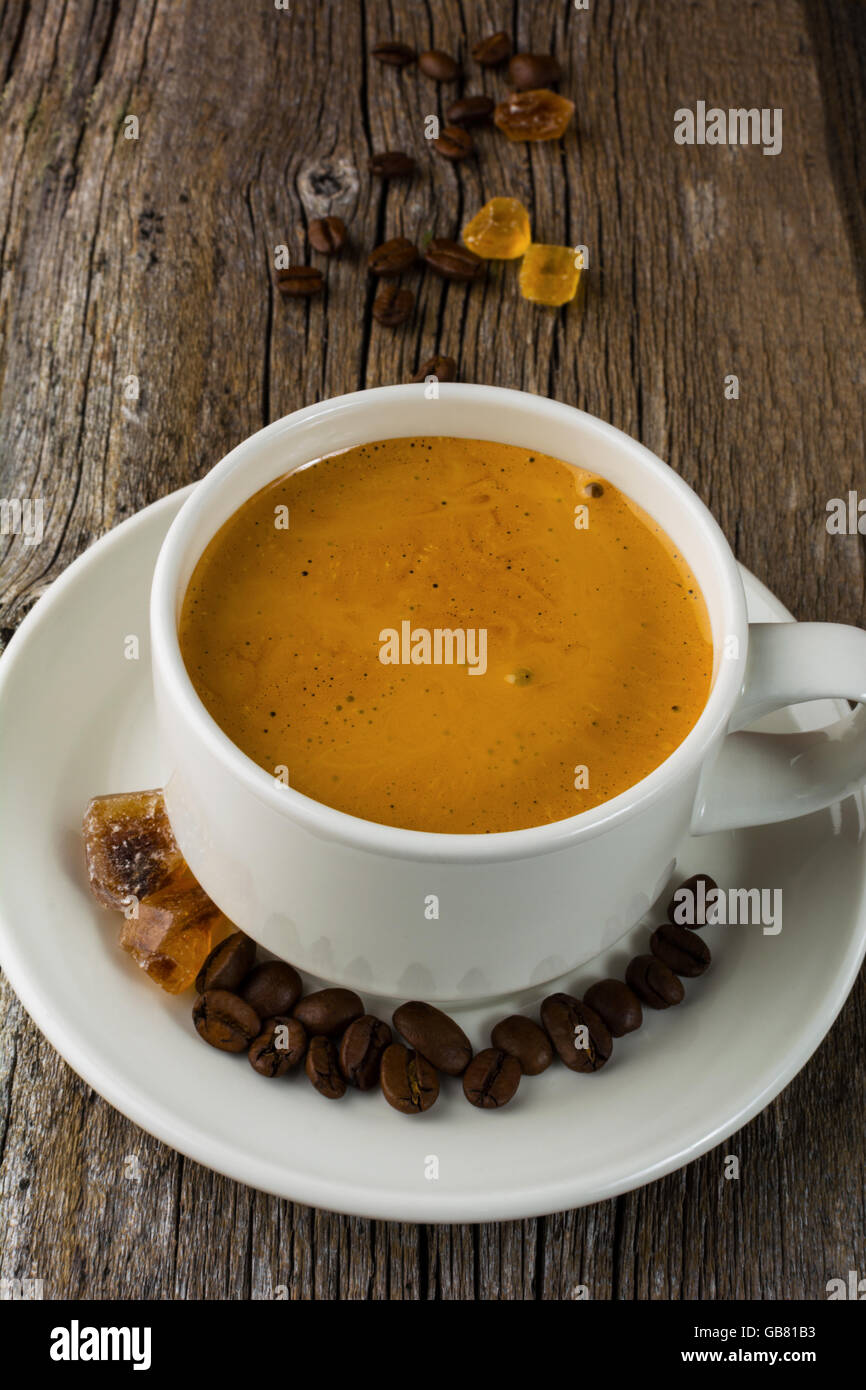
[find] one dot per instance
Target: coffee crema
(333, 625)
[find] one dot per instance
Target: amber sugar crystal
(130, 847)
(550, 274)
(536, 115)
(172, 932)
(499, 231)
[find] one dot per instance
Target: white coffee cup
(350, 899)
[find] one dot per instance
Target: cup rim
(394, 841)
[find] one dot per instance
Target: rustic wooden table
(152, 257)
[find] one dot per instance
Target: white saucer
(76, 718)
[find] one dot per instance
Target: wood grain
(152, 258)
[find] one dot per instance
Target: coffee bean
(225, 1020)
(272, 988)
(299, 280)
(491, 1079)
(492, 50)
(443, 368)
(653, 982)
(562, 1016)
(688, 900)
(617, 1005)
(529, 71)
(392, 306)
(395, 55)
(681, 950)
(361, 1049)
(280, 1046)
(322, 1069)
(522, 1038)
(329, 1011)
(439, 65)
(327, 234)
(454, 143)
(453, 261)
(409, 1082)
(393, 257)
(436, 1036)
(470, 110)
(228, 963)
(392, 164)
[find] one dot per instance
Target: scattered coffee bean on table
(585, 1050)
(395, 55)
(492, 50)
(225, 1020)
(392, 164)
(393, 257)
(329, 1011)
(439, 65)
(272, 988)
(409, 1082)
(436, 1036)
(454, 143)
(327, 234)
(699, 885)
(228, 964)
(682, 950)
(298, 281)
(453, 261)
(443, 368)
(323, 1070)
(392, 306)
(523, 1039)
(491, 1079)
(470, 110)
(279, 1048)
(361, 1049)
(532, 70)
(617, 1005)
(653, 982)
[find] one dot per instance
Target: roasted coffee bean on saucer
(279, 1047)
(272, 988)
(327, 234)
(681, 949)
(228, 964)
(581, 1038)
(361, 1049)
(225, 1020)
(699, 885)
(491, 1079)
(436, 1036)
(653, 982)
(617, 1005)
(323, 1070)
(329, 1012)
(522, 1038)
(409, 1082)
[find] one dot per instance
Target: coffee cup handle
(759, 778)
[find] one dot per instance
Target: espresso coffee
(448, 635)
